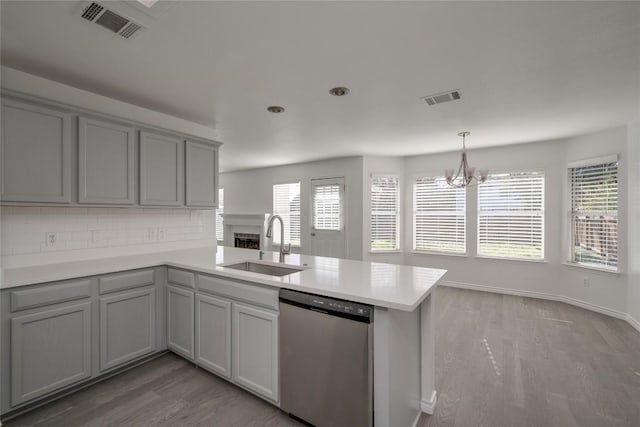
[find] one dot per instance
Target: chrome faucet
(283, 251)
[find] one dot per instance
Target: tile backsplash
(28, 230)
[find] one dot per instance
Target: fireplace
(245, 230)
(246, 240)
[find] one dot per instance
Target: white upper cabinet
(202, 174)
(161, 170)
(108, 161)
(106, 164)
(36, 154)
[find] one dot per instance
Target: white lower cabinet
(255, 349)
(58, 336)
(213, 334)
(180, 321)
(49, 341)
(127, 326)
(50, 349)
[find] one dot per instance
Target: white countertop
(385, 285)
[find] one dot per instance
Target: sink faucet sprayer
(283, 251)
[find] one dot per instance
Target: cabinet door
(213, 334)
(105, 162)
(36, 154)
(202, 175)
(180, 321)
(127, 327)
(49, 350)
(161, 170)
(255, 350)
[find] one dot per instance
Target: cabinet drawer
(53, 294)
(119, 282)
(254, 294)
(179, 277)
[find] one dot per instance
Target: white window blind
(286, 203)
(439, 217)
(385, 213)
(327, 207)
(219, 212)
(511, 216)
(594, 215)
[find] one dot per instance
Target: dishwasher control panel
(330, 305)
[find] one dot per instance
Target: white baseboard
(633, 322)
(429, 406)
(541, 295)
(414, 424)
(594, 307)
(497, 290)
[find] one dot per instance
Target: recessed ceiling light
(339, 91)
(148, 3)
(275, 109)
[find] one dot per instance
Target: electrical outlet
(51, 239)
(153, 232)
(160, 233)
(585, 281)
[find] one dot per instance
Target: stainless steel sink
(271, 270)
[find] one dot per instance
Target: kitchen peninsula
(168, 290)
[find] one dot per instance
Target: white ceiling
(526, 71)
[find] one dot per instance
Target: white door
(327, 217)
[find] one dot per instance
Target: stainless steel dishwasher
(326, 360)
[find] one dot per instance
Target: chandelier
(466, 174)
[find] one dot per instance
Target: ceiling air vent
(112, 21)
(439, 98)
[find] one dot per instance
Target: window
(511, 216)
(327, 204)
(219, 212)
(439, 217)
(286, 203)
(384, 213)
(594, 214)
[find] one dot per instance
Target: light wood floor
(511, 361)
(500, 361)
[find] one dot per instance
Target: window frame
(220, 214)
(273, 212)
(569, 254)
(542, 216)
(434, 176)
(398, 213)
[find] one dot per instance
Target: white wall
(541, 277)
(605, 291)
(633, 298)
(81, 231)
(251, 191)
(381, 166)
